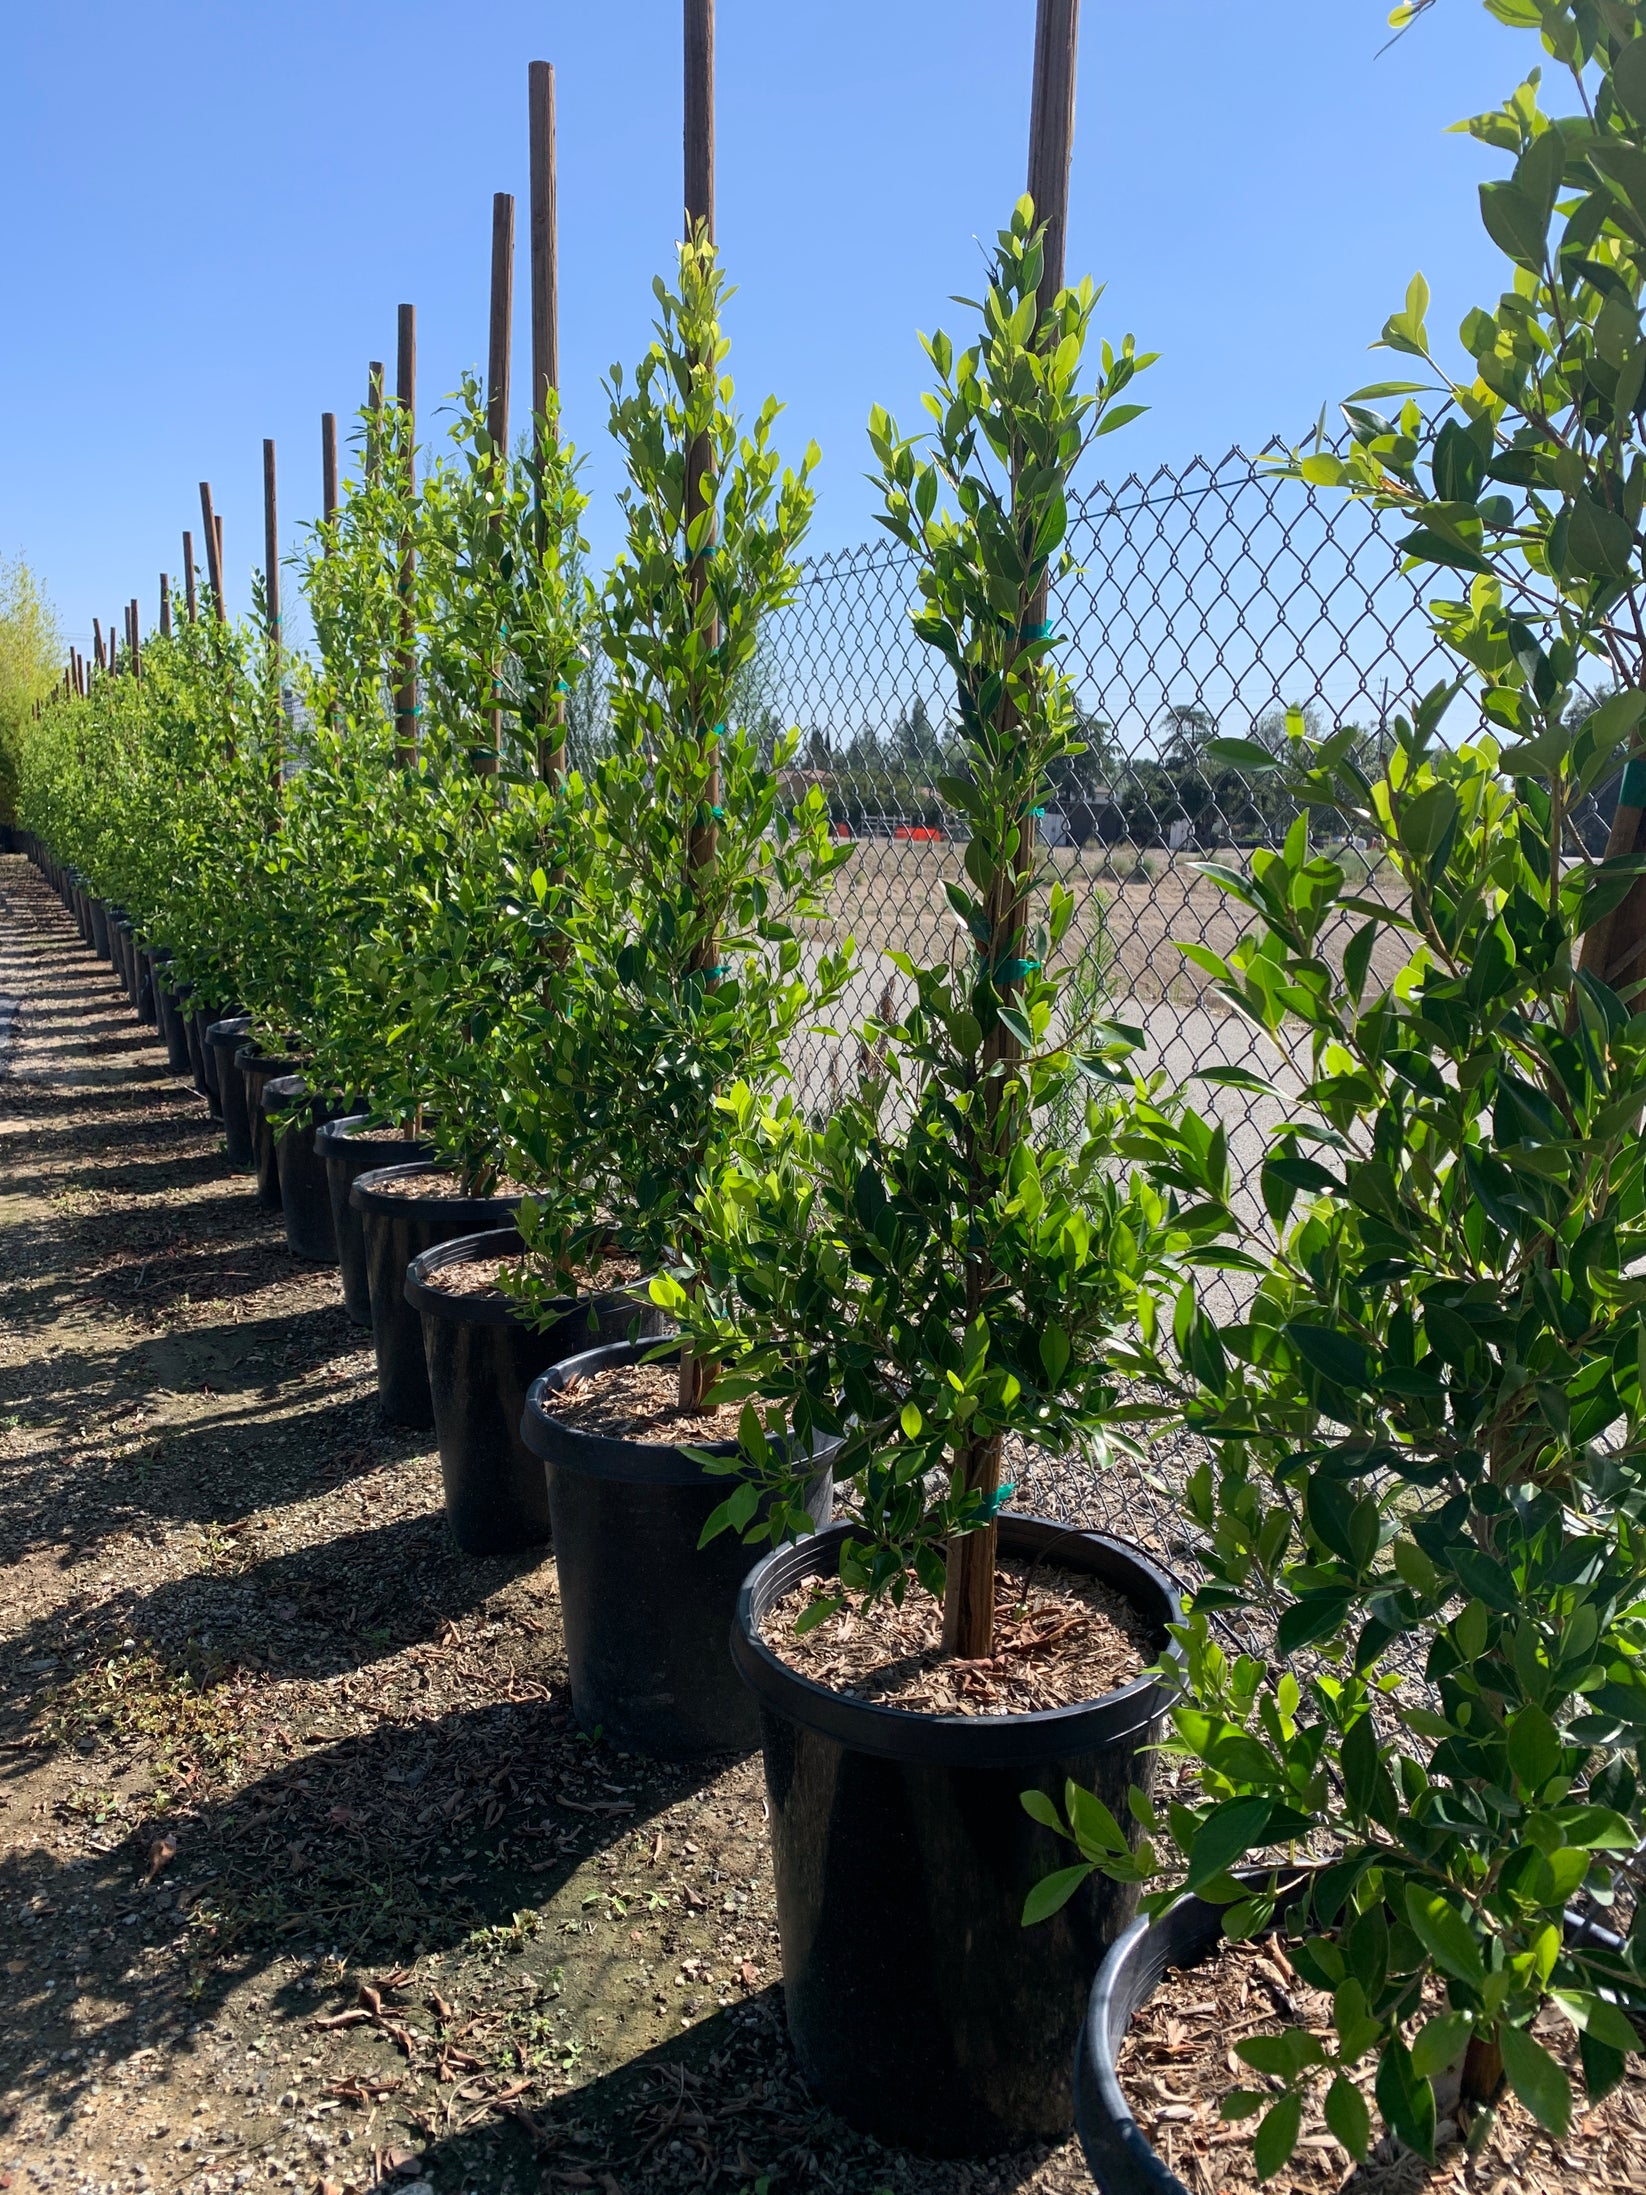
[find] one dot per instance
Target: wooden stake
(97, 644)
(500, 338)
(271, 609)
(502, 322)
(189, 592)
(699, 131)
(968, 1598)
(165, 605)
(1051, 132)
(217, 536)
(374, 419)
(271, 552)
(328, 467)
(702, 836)
(551, 707)
(214, 549)
(545, 241)
(136, 617)
(405, 695)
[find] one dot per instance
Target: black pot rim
(343, 1131)
(366, 1196)
(1122, 2159)
(952, 1741)
(227, 1029)
(604, 1455)
(251, 1061)
(424, 1290)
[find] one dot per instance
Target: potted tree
(689, 972)
(1428, 1430)
(945, 1269)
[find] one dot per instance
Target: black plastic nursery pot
(146, 1008)
(919, 2006)
(196, 1021)
(482, 1358)
(399, 1226)
(646, 1610)
(257, 1069)
(348, 1148)
(305, 1198)
(223, 1040)
(174, 1027)
(100, 929)
(1122, 2160)
(120, 945)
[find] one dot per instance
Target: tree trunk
(968, 1594)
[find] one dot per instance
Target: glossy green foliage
(933, 1265)
(1426, 1428)
(690, 963)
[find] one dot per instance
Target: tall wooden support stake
(165, 605)
(135, 626)
(217, 536)
(191, 594)
(702, 833)
(545, 254)
(1051, 132)
(214, 550)
(97, 644)
(271, 604)
(699, 130)
(968, 1599)
(271, 551)
(545, 239)
(703, 837)
(374, 420)
(328, 467)
(501, 331)
(499, 340)
(405, 687)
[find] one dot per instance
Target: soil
(641, 1402)
(1178, 2062)
(438, 1181)
(406, 1135)
(307, 1878)
(478, 1277)
(1059, 1638)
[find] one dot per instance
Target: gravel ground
(307, 1879)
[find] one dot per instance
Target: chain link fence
(1206, 602)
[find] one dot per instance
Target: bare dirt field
(307, 1878)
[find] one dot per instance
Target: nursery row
(491, 961)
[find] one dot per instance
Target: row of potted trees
(549, 956)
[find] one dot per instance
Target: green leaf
(1537, 2079)
(1406, 2102)
(1426, 821)
(1336, 1356)
(1242, 754)
(1348, 2117)
(1444, 1933)
(1228, 1834)
(1277, 2136)
(1534, 1746)
(1053, 1892)
(1516, 224)
(1440, 2041)
(1041, 1808)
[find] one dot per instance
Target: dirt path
(306, 1877)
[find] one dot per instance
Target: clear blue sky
(212, 209)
